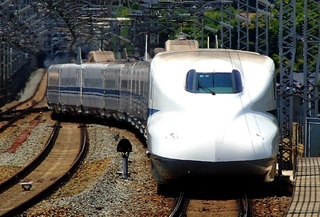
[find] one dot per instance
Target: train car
(113, 90)
(212, 115)
(205, 112)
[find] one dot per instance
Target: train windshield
(214, 82)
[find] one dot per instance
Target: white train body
(205, 112)
(211, 129)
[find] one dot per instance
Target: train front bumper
(166, 170)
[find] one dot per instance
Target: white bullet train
(205, 112)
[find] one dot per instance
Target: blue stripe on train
(152, 111)
(96, 92)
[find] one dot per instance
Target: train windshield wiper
(205, 88)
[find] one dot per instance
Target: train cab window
(213, 82)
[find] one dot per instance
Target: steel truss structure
(311, 40)
(50, 28)
(287, 51)
(311, 60)
(288, 39)
(226, 28)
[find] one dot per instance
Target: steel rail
(244, 206)
(34, 163)
(54, 180)
(180, 206)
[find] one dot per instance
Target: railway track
(184, 206)
(36, 102)
(9, 119)
(222, 197)
(64, 150)
(33, 99)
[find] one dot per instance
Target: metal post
(125, 166)
(125, 147)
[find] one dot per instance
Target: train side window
(124, 85)
(111, 84)
(92, 82)
(190, 82)
(236, 81)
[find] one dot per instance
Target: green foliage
(201, 26)
(195, 28)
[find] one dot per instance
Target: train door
(125, 88)
(111, 87)
(70, 87)
(92, 86)
(53, 84)
(150, 95)
(144, 89)
(141, 98)
(134, 92)
(139, 92)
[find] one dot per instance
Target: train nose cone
(188, 137)
(181, 137)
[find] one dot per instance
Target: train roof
(217, 54)
(211, 50)
(212, 60)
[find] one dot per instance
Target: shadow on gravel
(106, 122)
(224, 189)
